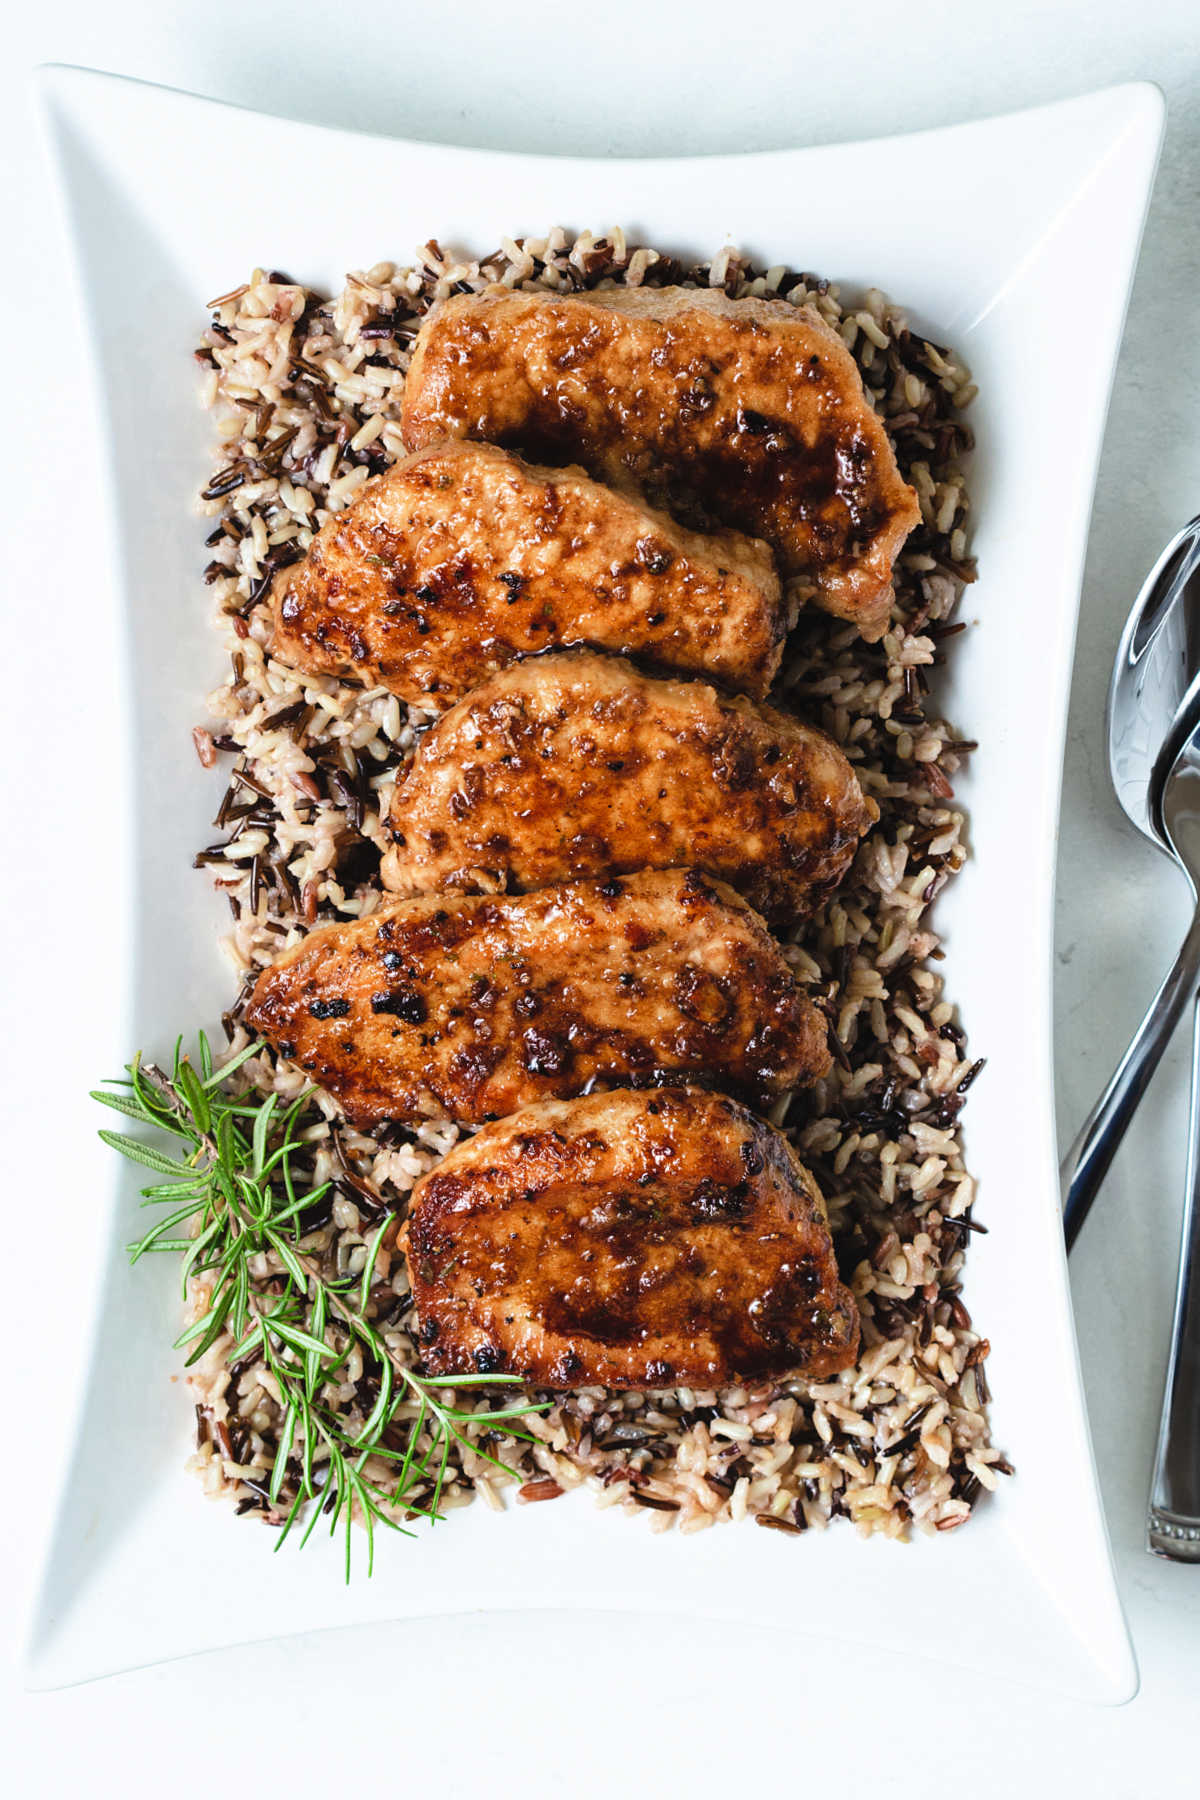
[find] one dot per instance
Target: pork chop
(754, 409)
(480, 1005)
(461, 558)
(575, 765)
(628, 1240)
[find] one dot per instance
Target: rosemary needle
(235, 1209)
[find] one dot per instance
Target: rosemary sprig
(236, 1205)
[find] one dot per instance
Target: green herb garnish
(234, 1197)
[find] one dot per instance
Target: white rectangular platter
(1014, 240)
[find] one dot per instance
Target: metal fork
(1173, 1517)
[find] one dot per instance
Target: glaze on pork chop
(575, 765)
(754, 410)
(462, 558)
(478, 1005)
(628, 1240)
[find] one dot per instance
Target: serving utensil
(1152, 702)
(1173, 1514)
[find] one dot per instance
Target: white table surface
(637, 1703)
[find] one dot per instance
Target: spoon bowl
(1176, 808)
(1156, 669)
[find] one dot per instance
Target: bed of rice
(306, 393)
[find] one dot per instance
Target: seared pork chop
(483, 1004)
(628, 1240)
(576, 765)
(461, 558)
(753, 408)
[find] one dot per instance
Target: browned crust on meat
(628, 1240)
(478, 1005)
(752, 409)
(571, 766)
(462, 557)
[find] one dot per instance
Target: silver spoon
(1158, 659)
(1173, 1515)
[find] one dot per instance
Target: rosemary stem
(242, 1198)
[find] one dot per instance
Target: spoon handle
(1087, 1162)
(1173, 1518)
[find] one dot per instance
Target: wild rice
(306, 394)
